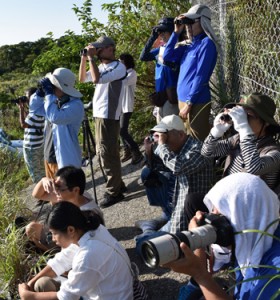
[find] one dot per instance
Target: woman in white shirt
(99, 266)
(131, 148)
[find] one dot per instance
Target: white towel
(248, 203)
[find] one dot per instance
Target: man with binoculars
(107, 101)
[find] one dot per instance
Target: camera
(83, 52)
(185, 21)
(22, 99)
(225, 118)
(214, 229)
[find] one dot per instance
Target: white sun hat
(64, 79)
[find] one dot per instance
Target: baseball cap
(198, 11)
(171, 122)
(261, 104)
(165, 24)
(103, 41)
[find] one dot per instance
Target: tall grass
(15, 261)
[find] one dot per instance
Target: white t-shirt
(107, 99)
(129, 84)
(98, 270)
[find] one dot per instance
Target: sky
(30, 20)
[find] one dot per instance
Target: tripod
(90, 147)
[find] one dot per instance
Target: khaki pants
(197, 123)
(46, 284)
(107, 134)
(50, 169)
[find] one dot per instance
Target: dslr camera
(214, 229)
(185, 21)
(22, 99)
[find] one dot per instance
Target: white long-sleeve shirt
(129, 85)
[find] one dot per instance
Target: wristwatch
(92, 59)
(188, 102)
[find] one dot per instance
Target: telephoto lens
(166, 248)
(225, 118)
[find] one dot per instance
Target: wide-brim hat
(198, 11)
(165, 25)
(168, 123)
(261, 104)
(64, 79)
(103, 42)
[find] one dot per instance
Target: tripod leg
(87, 143)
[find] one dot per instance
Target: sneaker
(110, 200)
(123, 188)
(126, 155)
(136, 157)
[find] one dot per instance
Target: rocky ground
(120, 218)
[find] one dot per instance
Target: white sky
(30, 20)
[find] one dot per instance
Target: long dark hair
(127, 60)
(66, 214)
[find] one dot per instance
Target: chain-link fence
(249, 33)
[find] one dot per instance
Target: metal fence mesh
(249, 36)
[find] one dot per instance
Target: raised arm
(43, 190)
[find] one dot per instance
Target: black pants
(193, 203)
(126, 138)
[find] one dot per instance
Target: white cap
(168, 123)
(198, 11)
(64, 79)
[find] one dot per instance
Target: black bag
(172, 95)
(158, 98)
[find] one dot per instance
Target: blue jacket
(197, 62)
(66, 123)
(165, 75)
(251, 289)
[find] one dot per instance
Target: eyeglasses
(60, 188)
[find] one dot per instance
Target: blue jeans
(160, 195)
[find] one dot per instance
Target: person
(33, 124)
(65, 111)
(166, 75)
(180, 153)
(69, 185)
(100, 266)
(197, 61)
(51, 166)
(254, 148)
(130, 147)
(107, 101)
(257, 252)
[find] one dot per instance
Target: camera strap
(61, 101)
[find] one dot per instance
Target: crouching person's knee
(33, 231)
(46, 284)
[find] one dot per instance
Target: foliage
(13, 174)
(17, 261)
